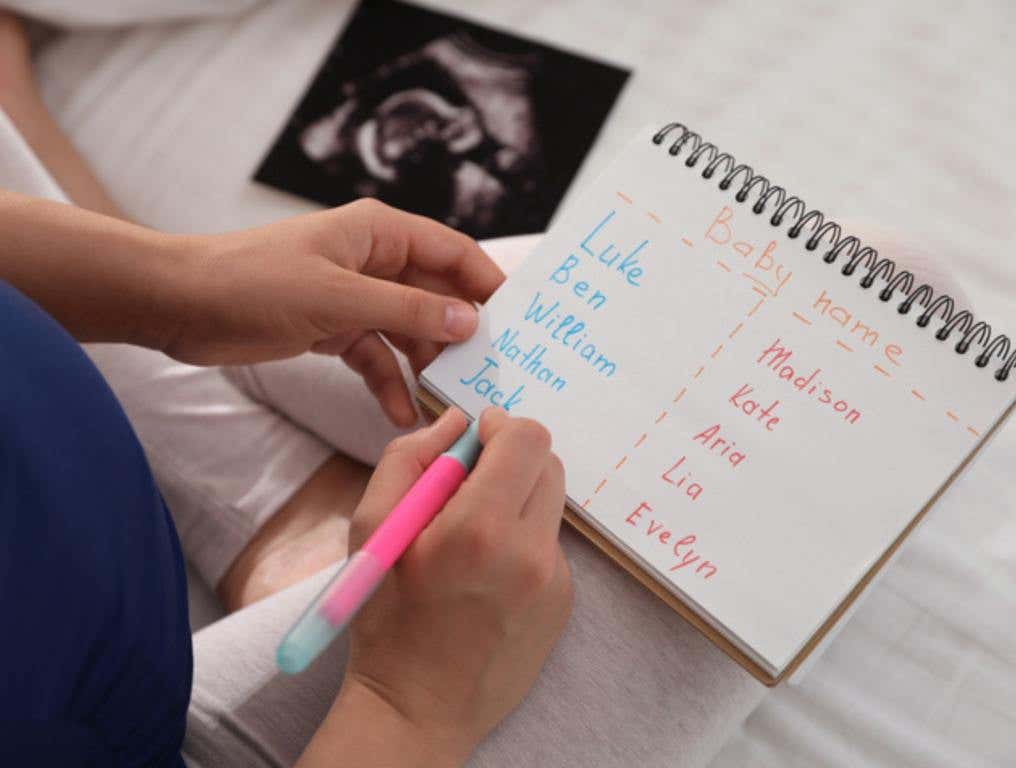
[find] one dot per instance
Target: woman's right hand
(457, 634)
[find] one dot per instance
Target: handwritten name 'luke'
(609, 255)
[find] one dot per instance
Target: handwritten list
(559, 319)
(752, 426)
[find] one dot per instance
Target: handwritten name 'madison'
(781, 361)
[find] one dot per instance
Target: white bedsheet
(898, 116)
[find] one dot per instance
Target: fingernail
(460, 320)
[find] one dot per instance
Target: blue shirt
(95, 647)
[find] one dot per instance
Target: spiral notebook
(753, 408)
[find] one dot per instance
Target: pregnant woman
(261, 466)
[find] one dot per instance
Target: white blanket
(899, 117)
(105, 13)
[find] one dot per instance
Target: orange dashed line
(716, 352)
(737, 328)
(883, 371)
(755, 309)
(621, 462)
(973, 431)
(917, 394)
(624, 197)
(687, 242)
(661, 417)
(841, 345)
(759, 291)
(641, 439)
(599, 488)
(699, 371)
(585, 503)
(653, 216)
(952, 415)
(679, 395)
(802, 318)
(721, 265)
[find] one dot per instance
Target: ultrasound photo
(440, 116)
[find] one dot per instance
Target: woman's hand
(332, 282)
(456, 635)
(329, 282)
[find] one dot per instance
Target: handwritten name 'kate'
(749, 406)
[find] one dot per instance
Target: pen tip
(466, 450)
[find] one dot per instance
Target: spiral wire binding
(786, 206)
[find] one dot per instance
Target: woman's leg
(231, 468)
(629, 684)
(20, 99)
(96, 643)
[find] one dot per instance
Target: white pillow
(88, 13)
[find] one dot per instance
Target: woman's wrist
(147, 289)
(364, 728)
(168, 290)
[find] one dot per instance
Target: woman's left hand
(333, 282)
(329, 282)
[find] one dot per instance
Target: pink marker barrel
(417, 508)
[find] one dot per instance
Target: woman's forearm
(332, 281)
(362, 729)
(103, 279)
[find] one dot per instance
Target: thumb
(403, 309)
(401, 464)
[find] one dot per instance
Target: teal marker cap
(466, 450)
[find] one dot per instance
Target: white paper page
(640, 367)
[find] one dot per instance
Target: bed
(897, 115)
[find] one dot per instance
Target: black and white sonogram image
(474, 127)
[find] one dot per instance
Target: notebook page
(742, 418)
